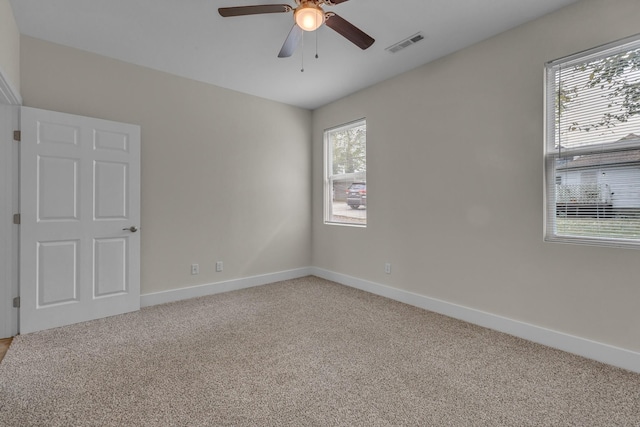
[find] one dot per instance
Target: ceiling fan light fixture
(309, 17)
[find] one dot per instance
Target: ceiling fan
(308, 16)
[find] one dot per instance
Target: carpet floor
(304, 352)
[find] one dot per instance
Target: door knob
(132, 229)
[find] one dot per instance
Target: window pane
(593, 147)
(598, 99)
(346, 174)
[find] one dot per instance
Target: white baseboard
(172, 295)
(604, 353)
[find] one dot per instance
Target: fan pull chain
(317, 31)
(302, 56)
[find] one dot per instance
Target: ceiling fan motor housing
(309, 16)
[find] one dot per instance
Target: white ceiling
(189, 38)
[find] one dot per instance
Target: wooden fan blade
(254, 10)
(291, 43)
(334, 2)
(348, 31)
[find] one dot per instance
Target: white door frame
(10, 101)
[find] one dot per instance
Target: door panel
(57, 134)
(57, 279)
(80, 194)
(110, 266)
(57, 189)
(110, 190)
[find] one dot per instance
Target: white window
(592, 146)
(345, 184)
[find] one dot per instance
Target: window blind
(592, 146)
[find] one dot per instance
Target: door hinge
(16, 219)
(16, 302)
(17, 135)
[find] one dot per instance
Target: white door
(80, 214)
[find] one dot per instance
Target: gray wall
(9, 45)
(455, 185)
(225, 176)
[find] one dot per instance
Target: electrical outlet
(219, 266)
(195, 269)
(387, 267)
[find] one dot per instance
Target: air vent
(406, 43)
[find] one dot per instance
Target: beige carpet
(304, 352)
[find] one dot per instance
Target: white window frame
(554, 150)
(329, 177)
